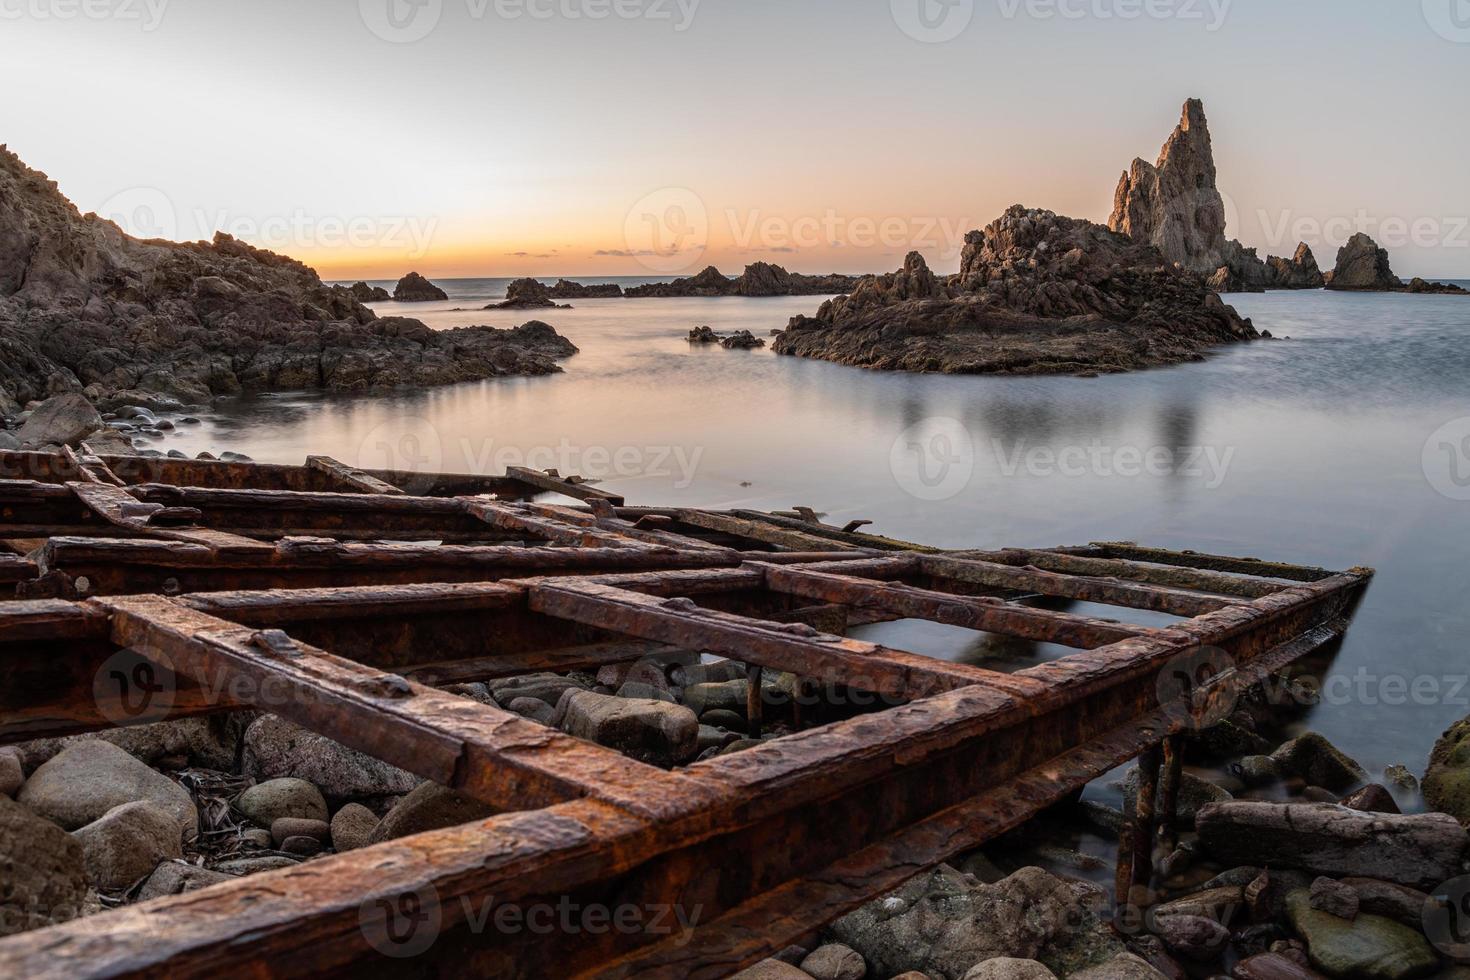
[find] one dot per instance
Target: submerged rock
(414, 288)
(1370, 948)
(1319, 762)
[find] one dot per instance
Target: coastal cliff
(1037, 293)
(86, 307)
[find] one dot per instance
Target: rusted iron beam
(1214, 563)
(1158, 598)
(977, 613)
(121, 509)
(858, 539)
(551, 482)
(1171, 776)
(342, 473)
(1131, 571)
(762, 532)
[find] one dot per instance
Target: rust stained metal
(348, 635)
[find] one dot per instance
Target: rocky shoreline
(87, 308)
(1288, 860)
(759, 279)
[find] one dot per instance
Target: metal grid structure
(361, 600)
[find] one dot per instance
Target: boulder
(43, 873)
(1273, 966)
(742, 340)
(1007, 968)
(1398, 902)
(364, 293)
(1362, 265)
(352, 827)
(534, 709)
(276, 748)
(650, 731)
(1124, 966)
(128, 843)
(1422, 850)
(943, 923)
(61, 421)
(1447, 782)
(1298, 272)
(9, 441)
(276, 799)
(1319, 762)
(834, 961)
(414, 288)
(1370, 948)
(429, 807)
(543, 687)
(211, 742)
(1193, 937)
(176, 878)
(88, 779)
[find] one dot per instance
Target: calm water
(1310, 450)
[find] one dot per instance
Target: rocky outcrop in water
(1363, 267)
(414, 288)
(566, 289)
(86, 307)
(527, 294)
(1037, 293)
(364, 293)
(759, 279)
(1298, 272)
(1175, 205)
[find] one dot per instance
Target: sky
(655, 137)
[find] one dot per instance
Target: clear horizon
(461, 138)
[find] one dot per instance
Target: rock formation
(364, 293)
(566, 289)
(1363, 267)
(759, 279)
(414, 288)
(526, 294)
(1036, 294)
(1176, 205)
(85, 307)
(1298, 272)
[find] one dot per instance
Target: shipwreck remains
(362, 592)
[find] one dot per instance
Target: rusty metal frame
(768, 844)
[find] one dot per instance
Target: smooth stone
(835, 961)
(429, 807)
(128, 843)
(12, 776)
(655, 732)
(1369, 948)
(1335, 898)
(534, 709)
(352, 827)
(276, 748)
(720, 718)
(284, 828)
(645, 692)
(1272, 966)
(274, 799)
(1193, 936)
(1124, 966)
(543, 687)
(87, 779)
(1372, 798)
(240, 867)
(303, 846)
(771, 970)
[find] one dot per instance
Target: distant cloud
(533, 255)
(623, 253)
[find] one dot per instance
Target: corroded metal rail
(357, 592)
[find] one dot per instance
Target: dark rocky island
(85, 307)
(527, 294)
(1037, 293)
(414, 288)
(1175, 205)
(1363, 267)
(759, 279)
(566, 289)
